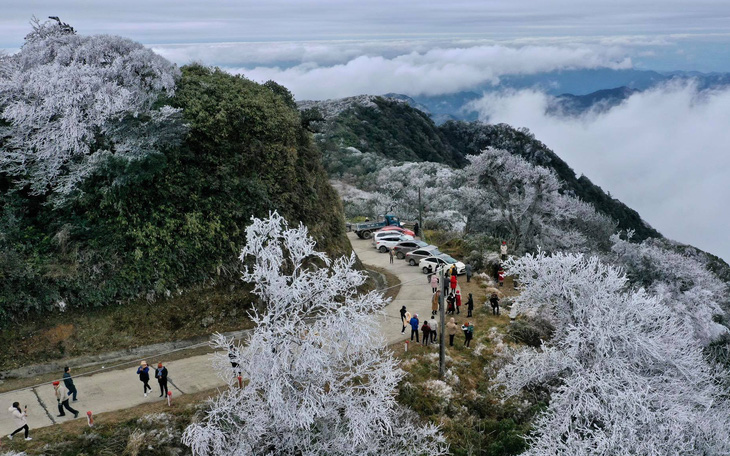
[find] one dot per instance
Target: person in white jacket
(62, 396)
(21, 420)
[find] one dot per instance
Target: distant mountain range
(575, 91)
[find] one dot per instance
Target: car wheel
(412, 262)
(400, 255)
(367, 234)
(426, 270)
(383, 249)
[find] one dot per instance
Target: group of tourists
(160, 374)
(66, 392)
(426, 332)
(429, 329)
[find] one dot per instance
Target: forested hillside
(142, 183)
(393, 129)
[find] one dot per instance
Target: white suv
(434, 263)
(386, 243)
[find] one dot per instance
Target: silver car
(403, 247)
(415, 256)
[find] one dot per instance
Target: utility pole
(442, 326)
(420, 215)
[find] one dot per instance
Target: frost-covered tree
(317, 380)
(680, 280)
(525, 199)
(625, 374)
(72, 101)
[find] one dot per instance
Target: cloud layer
(436, 71)
(663, 152)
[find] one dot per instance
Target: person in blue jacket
(414, 327)
(144, 376)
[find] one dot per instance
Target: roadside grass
(80, 332)
(473, 414)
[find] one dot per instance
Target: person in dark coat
(494, 301)
(470, 305)
(69, 382)
(468, 272)
(233, 357)
(416, 228)
(450, 305)
(468, 329)
(161, 376)
(426, 333)
(414, 327)
(144, 376)
(403, 312)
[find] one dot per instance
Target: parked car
(415, 256)
(381, 234)
(404, 247)
(434, 263)
(385, 243)
(399, 229)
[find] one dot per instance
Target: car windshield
(421, 243)
(447, 258)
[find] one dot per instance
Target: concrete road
(415, 292)
(120, 389)
(107, 391)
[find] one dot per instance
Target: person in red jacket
(458, 301)
(453, 284)
(501, 275)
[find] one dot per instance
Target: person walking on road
(62, 395)
(161, 376)
(469, 305)
(433, 325)
(453, 284)
(69, 382)
(434, 283)
(468, 272)
(403, 319)
(426, 333)
(494, 301)
(503, 250)
(21, 420)
(144, 376)
(435, 302)
(414, 327)
(458, 302)
(451, 331)
(390, 253)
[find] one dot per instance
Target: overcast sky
(663, 152)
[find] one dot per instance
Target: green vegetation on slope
(400, 132)
(394, 130)
(178, 219)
